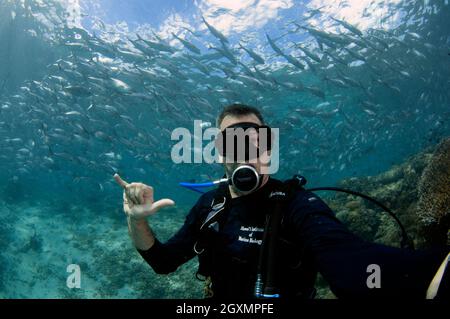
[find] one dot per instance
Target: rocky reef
(433, 207)
(417, 191)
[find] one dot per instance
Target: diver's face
(251, 118)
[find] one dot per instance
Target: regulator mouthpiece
(245, 179)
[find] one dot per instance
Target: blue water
(82, 97)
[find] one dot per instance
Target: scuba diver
(256, 236)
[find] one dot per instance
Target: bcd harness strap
(219, 207)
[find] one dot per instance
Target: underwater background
(360, 91)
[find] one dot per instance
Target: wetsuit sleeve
(347, 262)
(166, 257)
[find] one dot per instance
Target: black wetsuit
(312, 240)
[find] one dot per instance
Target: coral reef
(398, 188)
(433, 208)
(417, 191)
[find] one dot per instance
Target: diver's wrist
(137, 220)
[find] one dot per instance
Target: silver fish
(215, 32)
(348, 26)
(187, 44)
(258, 59)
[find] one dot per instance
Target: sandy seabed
(39, 244)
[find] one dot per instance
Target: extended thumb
(162, 203)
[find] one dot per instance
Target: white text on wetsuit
(248, 235)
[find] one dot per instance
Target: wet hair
(238, 110)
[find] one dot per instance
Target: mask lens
(243, 141)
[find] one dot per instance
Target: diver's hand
(138, 200)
